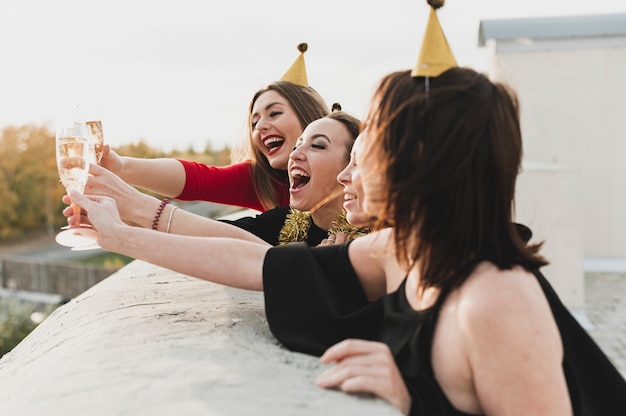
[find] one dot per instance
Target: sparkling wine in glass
(91, 113)
(72, 152)
(95, 127)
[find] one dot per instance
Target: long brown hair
(450, 150)
(308, 106)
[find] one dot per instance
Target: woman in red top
(278, 115)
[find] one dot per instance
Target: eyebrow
(267, 107)
(323, 136)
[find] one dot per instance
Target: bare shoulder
(371, 257)
(373, 248)
(377, 239)
(492, 293)
(500, 324)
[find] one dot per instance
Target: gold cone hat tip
(296, 74)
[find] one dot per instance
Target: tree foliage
(30, 189)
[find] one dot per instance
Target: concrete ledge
(605, 265)
(153, 342)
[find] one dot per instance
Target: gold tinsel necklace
(298, 223)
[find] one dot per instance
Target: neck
(324, 216)
(419, 298)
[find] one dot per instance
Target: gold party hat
(435, 56)
(296, 74)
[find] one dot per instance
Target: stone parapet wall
(148, 341)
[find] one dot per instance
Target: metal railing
(17, 273)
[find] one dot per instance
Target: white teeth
(348, 197)
(298, 172)
(273, 140)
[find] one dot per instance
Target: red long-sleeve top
(230, 185)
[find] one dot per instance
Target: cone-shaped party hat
(435, 56)
(296, 74)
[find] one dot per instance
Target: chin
(278, 162)
(300, 207)
(358, 220)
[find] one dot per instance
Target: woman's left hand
(333, 239)
(68, 211)
(103, 216)
(365, 367)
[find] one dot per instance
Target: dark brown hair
(351, 123)
(308, 106)
(450, 150)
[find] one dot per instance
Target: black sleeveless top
(268, 224)
(313, 300)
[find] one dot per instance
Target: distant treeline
(30, 191)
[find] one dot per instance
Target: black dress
(267, 226)
(314, 300)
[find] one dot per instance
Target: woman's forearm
(163, 176)
(226, 261)
(178, 221)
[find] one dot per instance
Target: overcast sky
(178, 73)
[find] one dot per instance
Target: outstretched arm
(140, 209)
(164, 176)
(226, 261)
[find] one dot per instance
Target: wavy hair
(449, 149)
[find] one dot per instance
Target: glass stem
(76, 215)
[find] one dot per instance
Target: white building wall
(573, 112)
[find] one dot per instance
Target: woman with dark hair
(442, 171)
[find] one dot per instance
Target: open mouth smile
(299, 178)
(273, 143)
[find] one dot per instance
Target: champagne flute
(72, 153)
(91, 113)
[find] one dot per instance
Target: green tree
(30, 190)
(30, 181)
(139, 149)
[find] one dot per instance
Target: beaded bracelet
(155, 223)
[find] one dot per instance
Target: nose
(345, 176)
(297, 154)
(262, 124)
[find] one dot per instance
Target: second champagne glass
(91, 113)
